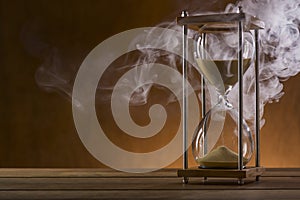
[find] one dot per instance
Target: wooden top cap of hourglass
(223, 22)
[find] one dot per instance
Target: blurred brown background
(36, 126)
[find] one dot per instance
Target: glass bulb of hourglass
(211, 151)
(215, 141)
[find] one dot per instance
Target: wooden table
(164, 184)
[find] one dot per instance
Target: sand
(221, 157)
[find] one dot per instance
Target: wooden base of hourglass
(240, 175)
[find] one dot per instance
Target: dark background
(36, 126)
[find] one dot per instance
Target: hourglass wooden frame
(218, 23)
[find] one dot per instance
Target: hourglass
(223, 143)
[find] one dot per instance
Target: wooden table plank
(79, 172)
(144, 183)
(163, 184)
(280, 172)
(161, 194)
(100, 172)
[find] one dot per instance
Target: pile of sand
(221, 157)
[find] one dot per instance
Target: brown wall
(37, 128)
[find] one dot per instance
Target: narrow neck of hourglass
(222, 97)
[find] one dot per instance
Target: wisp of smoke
(280, 49)
(280, 59)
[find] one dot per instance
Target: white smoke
(152, 55)
(280, 59)
(58, 69)
(280, 49)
